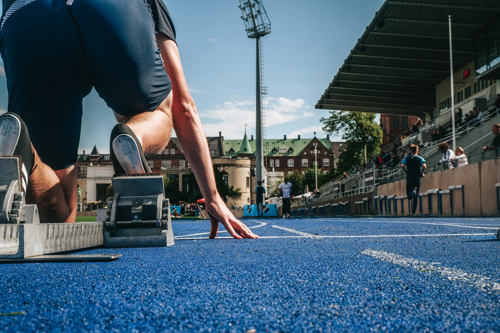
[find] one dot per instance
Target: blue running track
(302, 275)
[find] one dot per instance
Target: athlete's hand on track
(218, 212)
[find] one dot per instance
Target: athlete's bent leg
(54, 192)
(152, 128)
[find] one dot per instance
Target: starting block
(139, 216)
(21, 233)
(140, 213)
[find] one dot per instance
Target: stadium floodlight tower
(257, 25)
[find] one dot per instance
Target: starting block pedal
(139, 215)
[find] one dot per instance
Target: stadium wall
(479, 182)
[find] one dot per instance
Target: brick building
(235, 157)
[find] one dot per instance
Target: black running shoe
(126, 152)
(15, 141)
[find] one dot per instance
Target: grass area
(85, 219)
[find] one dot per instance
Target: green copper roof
(245, 147)
(272, 147)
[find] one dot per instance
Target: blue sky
(309, 41)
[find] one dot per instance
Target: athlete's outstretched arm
(192, 137)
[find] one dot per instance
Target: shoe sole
(10, 130)
(128, 154)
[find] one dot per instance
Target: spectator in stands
(469, 116)
(438, 133)
(496, 140)
(415, 167)
(478, 116)
(496, 104)
(458, 117)
(448, 155)
(460, 158)
(416, 126)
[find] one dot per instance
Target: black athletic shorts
(55, 51)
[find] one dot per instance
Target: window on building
(182, 164)
(283, 149)
(395, 122)
(167, 164)
(305, 162)
(460, 95)
(326, 162)
(165, 151)
(467, 92)
(277, 163)
(291, 163)
(248, 182)
(404, 122)
(172, 151)
(225, 178)
(271, 163)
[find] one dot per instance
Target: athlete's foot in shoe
(15, 141)
(127, 154)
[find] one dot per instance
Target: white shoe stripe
(25, 177)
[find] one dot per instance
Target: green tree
(297, 180)
(172, 189)
(362, 135)
(309, 179)
(193, 192)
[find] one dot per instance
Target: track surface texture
(302, 275)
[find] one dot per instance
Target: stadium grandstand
(401, 66)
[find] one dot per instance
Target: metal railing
(367, 180)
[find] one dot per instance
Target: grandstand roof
(404, 53)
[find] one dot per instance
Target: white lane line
(431, 223)
(477, 281)
(261, 224)
(489, 226)
(293, 231)
(188, 237)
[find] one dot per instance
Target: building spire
(245, 147)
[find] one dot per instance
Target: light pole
(315, 144)
(257, 25)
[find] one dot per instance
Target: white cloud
(231, 117)
(194, 90)
(212, 40)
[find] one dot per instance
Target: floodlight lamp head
(257, 23)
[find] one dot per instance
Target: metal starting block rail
(139, 216)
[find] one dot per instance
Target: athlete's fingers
(242, 229)
(231, 230)
(214, 228)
